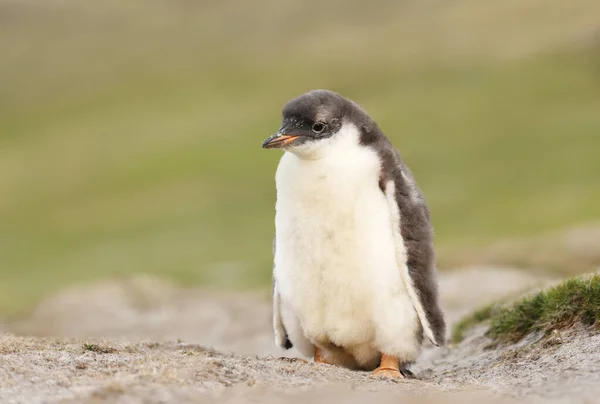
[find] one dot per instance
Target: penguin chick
(354, 276)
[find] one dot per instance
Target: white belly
(335, 262)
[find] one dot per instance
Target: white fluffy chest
(335, 258)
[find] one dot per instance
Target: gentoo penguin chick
(354, 277)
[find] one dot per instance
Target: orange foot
(389, 367)
(319, 357)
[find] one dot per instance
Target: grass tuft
(575, 301)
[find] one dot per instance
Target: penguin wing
(413, 237)
(280, 333)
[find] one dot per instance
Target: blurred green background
(130, 131)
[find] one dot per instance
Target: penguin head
(314, 122)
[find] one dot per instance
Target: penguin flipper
(414, 250)
(281, 337)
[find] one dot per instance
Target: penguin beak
(279, 140)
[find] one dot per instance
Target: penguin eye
(318, 127)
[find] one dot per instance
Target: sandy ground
(142, 340)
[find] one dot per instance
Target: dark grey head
(315, 117)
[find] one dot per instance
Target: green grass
(130, 140)
(468, 322)
(575, 301)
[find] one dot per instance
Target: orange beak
(278, 140)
